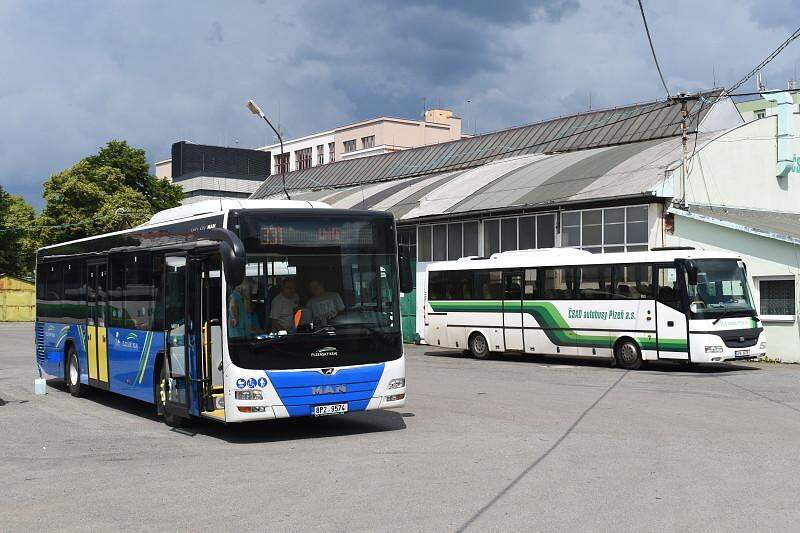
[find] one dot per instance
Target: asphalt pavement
(515, 443)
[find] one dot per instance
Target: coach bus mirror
(691, 272)
(406, 278)
(231, 250)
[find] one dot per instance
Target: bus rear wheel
(162, 388)
(72, 374)
(478, 346)
(628, 355)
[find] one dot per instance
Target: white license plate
(741, 353)
(332, 409)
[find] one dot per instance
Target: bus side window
(436, 285)
(668, 289)
(531, 288)
(633, 282)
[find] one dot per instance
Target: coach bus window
(668, 288)
(594, 283)
(489, 285)
(459, 284)
(633, 282)
(531, 289)
(53, 290)
(117, 292)
(555, 284)
(436, 285)
(138, 308)
(74, 292)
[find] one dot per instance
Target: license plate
(332, 409)
(741, 353)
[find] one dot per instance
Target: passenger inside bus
(283, 306)
(324, 305)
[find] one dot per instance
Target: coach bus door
(512, 311)
(178, 321)
(208, 307)
(96, 333)
(672, 328)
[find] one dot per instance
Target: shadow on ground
(286, 429)
(660, 366)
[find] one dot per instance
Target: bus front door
(672, 328)
(96, 332)
(206, 300)
(179, 322)
(512, 311)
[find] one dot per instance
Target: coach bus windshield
(721, 290)
(318, 291)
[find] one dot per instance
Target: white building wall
(737, 169)
(764, 257)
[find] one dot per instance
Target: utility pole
(683, 99)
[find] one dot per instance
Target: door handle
(670, 323)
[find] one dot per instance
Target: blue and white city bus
(232, 310)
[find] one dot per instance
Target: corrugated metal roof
(775, 225)
(523, 182)
(611, 127)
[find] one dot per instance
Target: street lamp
(253, 107)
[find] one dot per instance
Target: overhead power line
(766, 61)
(652, 49)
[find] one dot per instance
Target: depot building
(603, 181)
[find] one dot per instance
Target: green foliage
(18, 246)
(132, 162)
(83, 201)
(88, 198)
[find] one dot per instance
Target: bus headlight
(249, 395)
(714, 349)
(397, 383)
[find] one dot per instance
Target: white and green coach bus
(676, 304)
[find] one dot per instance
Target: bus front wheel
(478, 346)
(161, 392)
(73, 374)
(628, 355)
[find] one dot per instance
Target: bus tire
(72, 373)
(478, 346)
(160, 393)
(627, 354)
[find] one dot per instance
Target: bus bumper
(297, 393)
(710, 348)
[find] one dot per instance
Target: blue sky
(76, 74)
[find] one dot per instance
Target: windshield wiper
(720, 317)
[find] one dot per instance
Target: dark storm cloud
(152, 72)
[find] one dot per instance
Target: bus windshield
(721, 290)
(318, 291)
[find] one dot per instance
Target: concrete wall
(395, 133)
(293, 145)
(764, 257)
(737, 169)
(17, 300)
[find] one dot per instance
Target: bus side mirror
(691, 272)
(231, 251)
(406, 277)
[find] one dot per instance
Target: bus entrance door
(179, 322)
(96, 333)
(208, 307)
(512, 311)
(672, 329)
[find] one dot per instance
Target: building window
(368, 142)
(350, 146)
(760, 113)
(454, 241)
(471, 239)
(407, 242)
(281, 163)
(777, 298)
(614, 229)
(508, 234)
(424, 243)
(491, 237)
(303, 158)
(331, 152)
(320, 154)
(440, 242)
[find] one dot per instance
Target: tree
(17, 241)
(86, 200)
(132, 162)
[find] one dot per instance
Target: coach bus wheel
(478, 346)
(73, 374)
(162, 385)
(628, 355)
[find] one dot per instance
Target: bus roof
(572, 256)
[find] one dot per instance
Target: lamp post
(253, 107)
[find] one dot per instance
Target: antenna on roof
(760, 85)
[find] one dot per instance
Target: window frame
(776, 318)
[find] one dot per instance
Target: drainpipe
(785, 126)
